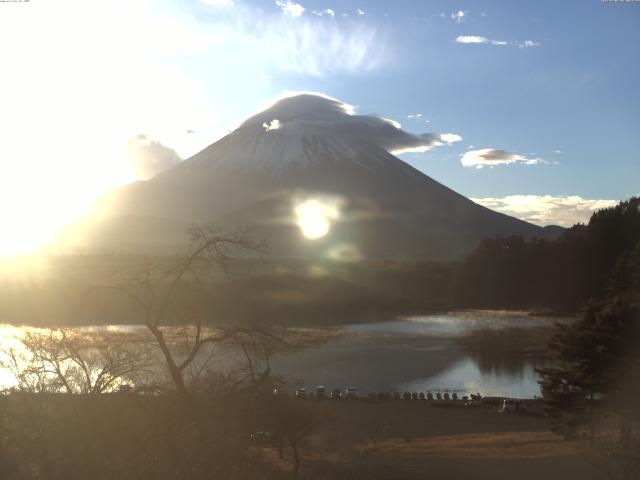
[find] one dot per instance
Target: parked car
(336, 394)
(320, 391)
(301, 393)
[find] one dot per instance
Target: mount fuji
(305, 148)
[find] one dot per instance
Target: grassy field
(236, 437)
(412, 440)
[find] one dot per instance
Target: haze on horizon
(541, 112)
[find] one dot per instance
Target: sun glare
(314, 217)
(69, 111)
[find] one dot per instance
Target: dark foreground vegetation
(596, 361)
(251, 434)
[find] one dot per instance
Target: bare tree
(290, 420)
(210, 247)
(60, 360)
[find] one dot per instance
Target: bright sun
(314, 217)
(65, 123)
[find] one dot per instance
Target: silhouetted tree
(598, 358)
(65, 361)
(561, 274)
(210, 248)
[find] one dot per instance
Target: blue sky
(543, 93)
(576, 92)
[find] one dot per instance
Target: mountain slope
(305, 147)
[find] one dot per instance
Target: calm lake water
(424, 354)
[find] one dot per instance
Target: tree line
(559, 274)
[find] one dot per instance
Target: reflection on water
(9, 339)
(429, 353)
(463, 352)
(468, 375)
(96, 359)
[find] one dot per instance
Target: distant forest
(558, 274)
(547, 276)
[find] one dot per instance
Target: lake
(428, 353)
(494, 353)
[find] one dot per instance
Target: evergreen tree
(596, 360)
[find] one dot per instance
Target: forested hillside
(559, 274)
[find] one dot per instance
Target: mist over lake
(448, 352)
(423, 353)
(427, 353)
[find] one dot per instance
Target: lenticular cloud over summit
(320, 115)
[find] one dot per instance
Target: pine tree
(596, 360)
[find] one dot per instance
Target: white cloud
(148, 156)
(410, 143)
(321, 13)
(319, 48)
(360, 12)
(471, 39)
(290, 8)
(317, 114)
(488, 41)
(459, 16)
(300, 45)
(528, 43)
(450, 137)
(272, 125)
(414, 115)
(492, 156)
(547, 209)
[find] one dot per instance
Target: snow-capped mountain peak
(299, 150)
(308, 128)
